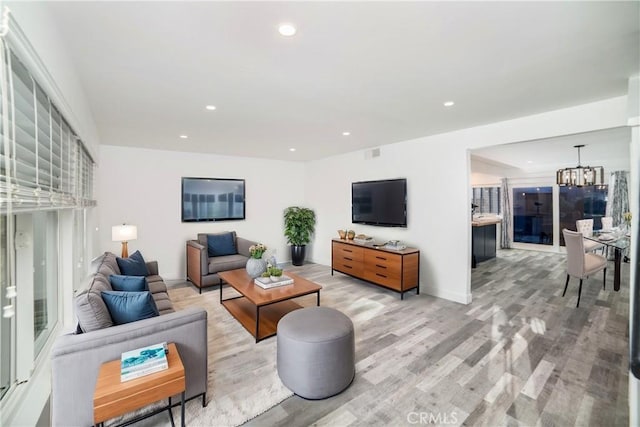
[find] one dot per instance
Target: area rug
(243, 378)
(243, 381)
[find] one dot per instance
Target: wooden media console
(398, 270)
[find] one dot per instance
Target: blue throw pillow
(128, 283)
(221, 244)
(133, 266)
(127, 307)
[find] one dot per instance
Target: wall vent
(370, 154)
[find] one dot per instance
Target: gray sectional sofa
(76, 358)
(202, 270)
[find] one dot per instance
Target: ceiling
(608, 148)
(379, 70)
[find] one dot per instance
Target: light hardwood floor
(520, 354)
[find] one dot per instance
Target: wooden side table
(113, 398)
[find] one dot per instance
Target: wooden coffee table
(259, 310)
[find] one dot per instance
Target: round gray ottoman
(316, 352)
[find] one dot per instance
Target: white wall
(143, 187)
(633, 114)
(41, 31)
(437, 170)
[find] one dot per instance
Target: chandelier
(580, 175)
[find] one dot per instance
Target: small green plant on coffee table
(272, 272)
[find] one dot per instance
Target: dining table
(620, 241)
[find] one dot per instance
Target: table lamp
(123, 233)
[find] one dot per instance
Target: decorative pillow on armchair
(221, 244)
(133, 266)
(127, 307)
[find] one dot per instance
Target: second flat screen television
(212, 199)
(382, 203)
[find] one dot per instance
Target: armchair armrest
(76, 359)
(197, 261)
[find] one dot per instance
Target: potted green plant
(299, 225)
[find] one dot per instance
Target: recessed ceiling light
(210, 107)
(184, 136)
(449, 104)
(346, 133)
(287, 30)
(529, 161)
(292, 149)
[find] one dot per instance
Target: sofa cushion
(133, 266)
(128, 283)
(221, 244)
(127, 307)
(91, 311)
(156, 286)
(163, 303)
(228, 262)
(108, 260)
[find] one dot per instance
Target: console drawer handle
(348, 259)
(347, 250)
(346, 266)
(381, 275)
(382, 258)
(381, 266)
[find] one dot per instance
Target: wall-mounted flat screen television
(382, 203)
(212, 199)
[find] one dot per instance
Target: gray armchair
(202, 270)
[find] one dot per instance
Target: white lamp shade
(124, 233)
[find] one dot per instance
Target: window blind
(44, 164)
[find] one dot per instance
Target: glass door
(533, 215)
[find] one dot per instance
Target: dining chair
(579, 263)
(585, 226)
(607, 225)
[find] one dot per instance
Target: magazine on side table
(143, 361)
(268, 283)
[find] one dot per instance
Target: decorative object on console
(342, 234)
(123, 233)
(363, 239)
(580, 175)
(351, 234)
(299, 225)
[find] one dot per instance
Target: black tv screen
(212, 199)
(382, 203)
